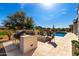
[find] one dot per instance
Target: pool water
(60, 34)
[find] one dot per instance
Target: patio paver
(64, 47)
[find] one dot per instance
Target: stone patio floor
(63, 48)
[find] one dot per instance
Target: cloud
(63, 11)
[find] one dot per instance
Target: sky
(44, 14)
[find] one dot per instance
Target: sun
(48, 5)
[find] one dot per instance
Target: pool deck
(64, 47)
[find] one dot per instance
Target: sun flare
(48, 5)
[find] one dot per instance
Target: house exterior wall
(78, 26)
(71, 28)
(75, 28)
(78, 21)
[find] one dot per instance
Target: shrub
(75, 47)
(18, 34)
(76, 53)
(73, 41)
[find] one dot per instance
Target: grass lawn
(4, 35)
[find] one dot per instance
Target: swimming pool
(61, 34)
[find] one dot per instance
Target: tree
(40, 30)
(19, 20)
(53, 28)
(29, 23)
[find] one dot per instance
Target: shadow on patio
(53, 44)
(13, 50)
